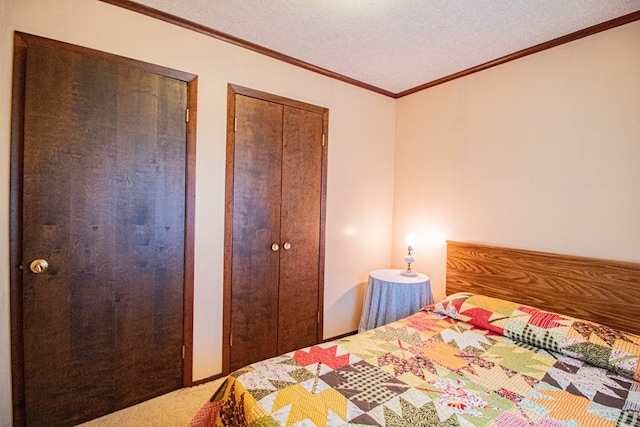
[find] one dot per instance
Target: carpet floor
(174, 409)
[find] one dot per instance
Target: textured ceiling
(396, 45)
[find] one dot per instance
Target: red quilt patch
(318, 354)
(480, 317)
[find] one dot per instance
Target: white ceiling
(396, 45)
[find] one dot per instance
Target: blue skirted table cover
(391, 296)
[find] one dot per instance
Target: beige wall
(541, 153)
(360, 174)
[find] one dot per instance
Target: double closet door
(274, 233)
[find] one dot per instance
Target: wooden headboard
(607, 292)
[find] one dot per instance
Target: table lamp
(408, 258)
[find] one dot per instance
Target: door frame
(232, 91)
(21, 43)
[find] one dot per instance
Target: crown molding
(202, 29)
(607, 25)
(193, 26)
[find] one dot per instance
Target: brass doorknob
(39, 266)
(286, 246)
(275, 247)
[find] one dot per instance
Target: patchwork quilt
(469, 360)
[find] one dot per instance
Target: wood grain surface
(275, 194)
(256, 226)
(100, 194)
(603, 291)
(300, 226)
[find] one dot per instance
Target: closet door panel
(256, 226)
(300, 226)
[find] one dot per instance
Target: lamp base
(409, 273)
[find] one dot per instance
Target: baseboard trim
(348, 334)
(206, 380)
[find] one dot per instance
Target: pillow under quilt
(599, 345)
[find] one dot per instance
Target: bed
(520, 340)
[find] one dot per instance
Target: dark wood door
(276, 212)
(103, 202)
(299, 292)
(256, 227)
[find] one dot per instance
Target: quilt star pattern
(467, 361)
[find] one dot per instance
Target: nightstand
(391, 296)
